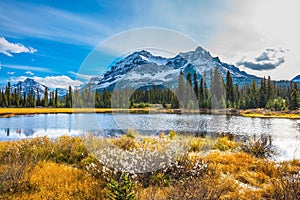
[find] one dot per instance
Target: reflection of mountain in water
(28, 132)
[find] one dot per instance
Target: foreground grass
(218, 168)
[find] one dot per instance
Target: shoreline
(255, 113)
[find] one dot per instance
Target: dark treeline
(191, 92)
(221, 94)
(13, 97)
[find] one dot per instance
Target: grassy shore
(262, 113)
(41, 168)
(7, 112)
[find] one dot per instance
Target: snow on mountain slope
(30, 85)
(144, 69)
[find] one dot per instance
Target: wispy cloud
(52, 81)
(28, 68)
(267, 60)
(29, 73)
(11, 73)
(9, 48)
(81, 76)
(50, 23)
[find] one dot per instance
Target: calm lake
(285, 132)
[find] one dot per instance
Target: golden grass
(8, 112)
(261, 113)
(59, 181)
(229, 175)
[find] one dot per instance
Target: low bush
(225, 144)
(121, 189)
(260, 147)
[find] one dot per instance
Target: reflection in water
(283, 131)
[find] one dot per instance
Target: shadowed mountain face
(142, 69)
(296, 79)
(31, 86)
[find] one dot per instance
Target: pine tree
(229, 89)
(106, 99)
(38, 99)
(262, 93)
(8, 95)
(188, 91)
(270, 89)
(201, 99)
(196, 88)
(46, 98)
(181, 90)
(217, 89)
(56, 98)
(69, 98)
(294, 101)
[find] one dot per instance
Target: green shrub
(196, 144)
(122, 189)
(68, 150)
(224, 144)
(125, 142)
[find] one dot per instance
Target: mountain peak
(159, 70)
(199, 52)
(29, 80)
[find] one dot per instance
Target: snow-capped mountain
(141, 69)
(296, 79)
(29, 85)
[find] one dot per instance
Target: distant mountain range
(29, 85)
(142, 69)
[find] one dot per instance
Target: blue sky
(49, 40)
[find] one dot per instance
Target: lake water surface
(285, 132)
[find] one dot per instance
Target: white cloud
(58, 81)
(29, 73)
(81, 76)
(28, 68)
(8, 48)
(269, 59)
(52, 81)
(11, 73)
(253, 26)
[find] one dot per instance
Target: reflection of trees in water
(26, 132)
(7, 131)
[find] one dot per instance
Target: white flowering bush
(149, 161)
(138, 160)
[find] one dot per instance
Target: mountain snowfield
(29, 85)
(142, 69)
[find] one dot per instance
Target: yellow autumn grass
(261, 113)
(59, 181)
(6, 112)
(231, 174)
